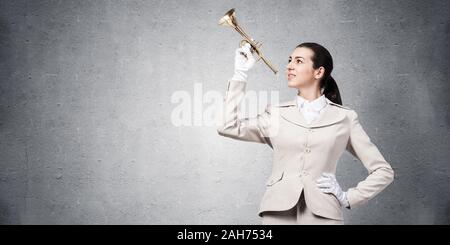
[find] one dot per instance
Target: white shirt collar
(316, 104)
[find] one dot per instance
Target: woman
(308, 135)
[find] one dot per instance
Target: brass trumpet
(229, 19)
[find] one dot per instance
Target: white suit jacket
(302, 152)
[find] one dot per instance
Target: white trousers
(300, 214)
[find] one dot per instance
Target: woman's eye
(299, 61)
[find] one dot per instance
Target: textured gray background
(85, 130)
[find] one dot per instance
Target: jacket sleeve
(380, 171)
(255, 129)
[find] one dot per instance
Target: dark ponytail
(331, 90)
(323, 58)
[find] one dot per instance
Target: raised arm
(248, 129)
(254, 129)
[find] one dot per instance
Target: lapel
(331, 114)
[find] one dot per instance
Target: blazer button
(303, 173)
(308, 150)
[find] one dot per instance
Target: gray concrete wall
(86, 135)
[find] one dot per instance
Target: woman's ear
(319, 73)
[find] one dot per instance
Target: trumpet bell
(229, 19)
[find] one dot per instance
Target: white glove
(242, 63)
(327, 183)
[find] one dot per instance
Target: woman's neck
(309, 94)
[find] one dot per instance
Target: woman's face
(299, 70)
